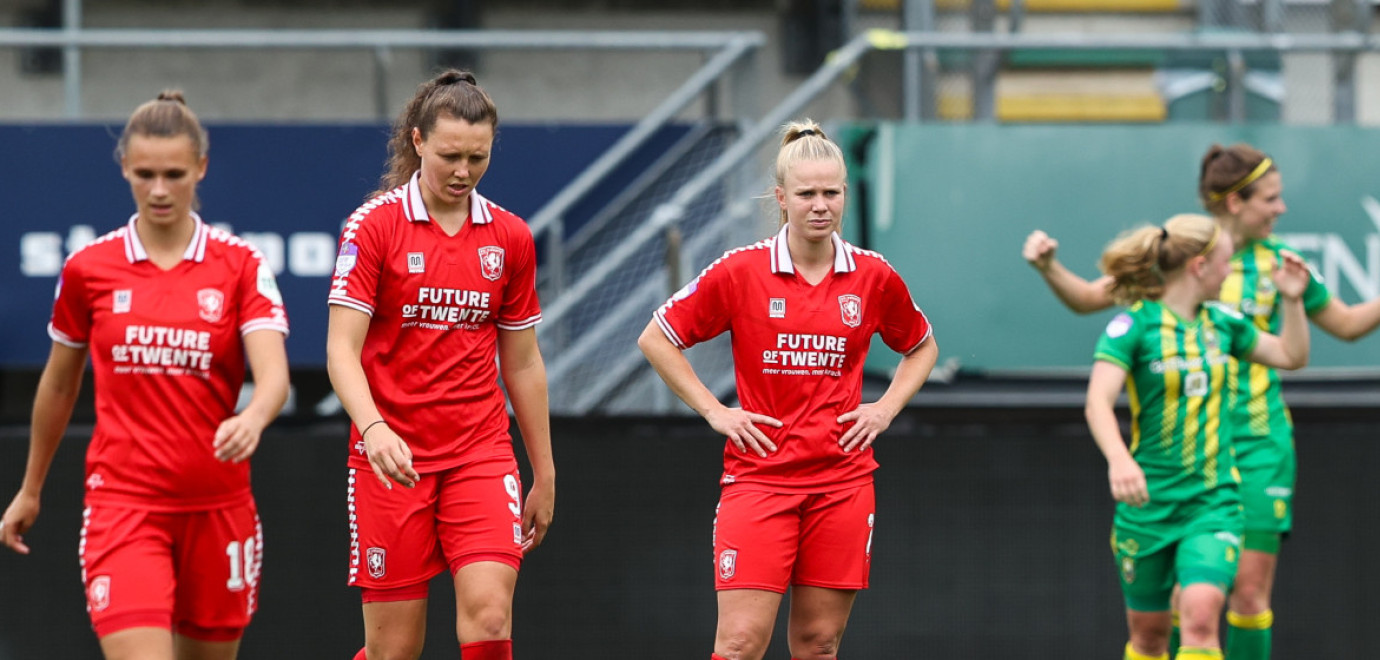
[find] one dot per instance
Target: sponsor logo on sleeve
(1119, 325)
(491, 262)
(345, 261)
(850, 307)
(685, 291)
(268, 285)
(210, 305)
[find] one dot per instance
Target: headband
(1256, 173)
(1216, 231)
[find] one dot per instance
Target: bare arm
(1124, 475)
(1348, 322)
(524, 376)
(737, 424)
(53, 403)
(389, 455)
(1290, 349)
(1076, 293)
(238, 437)
(873, 418)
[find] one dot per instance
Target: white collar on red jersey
(415, 208)
(781, 254)
(196, 249)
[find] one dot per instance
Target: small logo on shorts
(1129, 547)
(376, 565)
(728, 564)
(99, 594)
(517, 534)
(1128, 570)
(1228, 538)
(871, 527)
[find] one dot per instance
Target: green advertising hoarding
(950, 205)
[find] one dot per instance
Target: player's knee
(1198, 626)
(741, 644)
(1250, 596)
(816, 644)
(486, 621)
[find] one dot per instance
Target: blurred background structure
(635, 139)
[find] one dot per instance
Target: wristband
(370, 426)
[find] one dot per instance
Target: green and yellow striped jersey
(1180, 395)
(1260, 408)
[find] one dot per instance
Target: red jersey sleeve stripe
(262, 324)
(928, 331)
(346, 301)
(667, 330)
(522, 324)
(62, 338)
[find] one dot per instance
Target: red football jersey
(437, 303)
(168, 362)
(798, 352)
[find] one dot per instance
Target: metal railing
(1233, 46)
(72, 39)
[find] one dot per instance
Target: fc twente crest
(377, 568)
(728, 564)
(491, 262)
(850, 307)
(211, 304)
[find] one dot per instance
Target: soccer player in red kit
(168, 308)
(797, 503)
(433, 282)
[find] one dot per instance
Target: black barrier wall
(991, 542)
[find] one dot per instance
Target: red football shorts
(193, 573)
(405, 536)
(766, 540)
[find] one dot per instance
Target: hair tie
(1164, 233)
(1247, 180)
(807, 131)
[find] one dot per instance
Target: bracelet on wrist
(370, 426)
